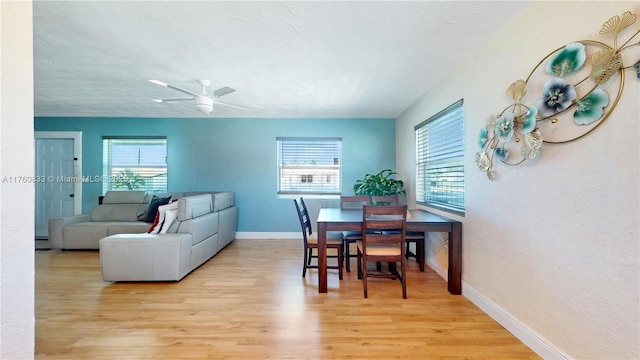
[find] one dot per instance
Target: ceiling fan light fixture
(204, 104)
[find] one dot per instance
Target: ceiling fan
(203, 102)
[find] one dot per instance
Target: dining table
(336, 219)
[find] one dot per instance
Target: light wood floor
(250, 302)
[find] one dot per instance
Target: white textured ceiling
(327, 59)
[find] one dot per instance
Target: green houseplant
(380, 184)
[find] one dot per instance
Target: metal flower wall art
(577, 86)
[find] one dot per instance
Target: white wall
(553, 245)
(16, 199)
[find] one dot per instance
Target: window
(309, 165)
(134, 164)
(440, 160)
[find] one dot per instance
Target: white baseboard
(532, 339)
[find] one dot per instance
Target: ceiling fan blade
(223, 91)
(161, 83)
(158, 82)
(237, 106)
(171, 100)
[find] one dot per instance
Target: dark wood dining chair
(411, 237)
(334, 241)
(383, 240)
(351, 237)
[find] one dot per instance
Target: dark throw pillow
(153, 207)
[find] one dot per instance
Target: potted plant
(380, 184)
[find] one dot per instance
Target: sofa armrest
(56, 225)
(145, 257)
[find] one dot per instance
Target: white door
(58, 180)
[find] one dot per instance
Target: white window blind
(309, 165)
(134, 164)
(440, 159)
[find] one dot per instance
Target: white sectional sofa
(201, 231)
(121, 212)
(205, 222)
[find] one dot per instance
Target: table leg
(420, 253)
(455, 259)
(322, 257)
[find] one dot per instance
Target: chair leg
(420, 254)
(393, 270)
(364, 276)
(403, 278)
(359, 265)
(340, 262)
(304, 264)
(408, 253)
(347, 255)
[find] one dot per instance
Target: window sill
(309, 196)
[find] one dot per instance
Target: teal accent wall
(236, 155)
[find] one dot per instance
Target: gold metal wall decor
(579, 86)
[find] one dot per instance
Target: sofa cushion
(222, 200)
(127, 227)
(193, 206)
(124, 197)
(174, 195)
(115, 212)
(201, 227)
(85, 235)
(145, 257)
(156, 202)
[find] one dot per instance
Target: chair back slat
(303, 216)
(384, 224)
(353, 202)
(309, 246)
(385, 200)
(383, 240)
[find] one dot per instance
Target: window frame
(314, 174)
(111, 176)
(451, 159)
